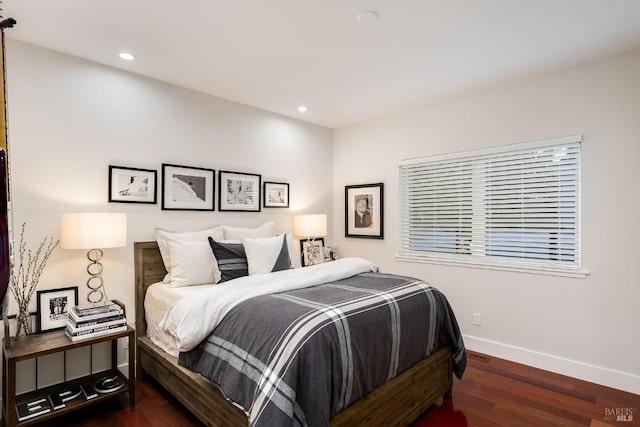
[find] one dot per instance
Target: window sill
(578, 274)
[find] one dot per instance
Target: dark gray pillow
(232, 259)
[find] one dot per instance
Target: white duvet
(194, 317)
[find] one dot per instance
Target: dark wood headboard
(149, 269)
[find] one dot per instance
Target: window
(513, 207)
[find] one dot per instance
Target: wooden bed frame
(395, 403)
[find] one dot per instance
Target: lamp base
(97, 293)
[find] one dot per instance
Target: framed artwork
(331, 254)
(276, 195)
(363, 210)
(239, 191)
(312, 251)
(188, 188)
(132, 185)
(53, 305)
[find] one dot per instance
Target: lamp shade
(90, 230)
(310, 225)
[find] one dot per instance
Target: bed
(398, 401)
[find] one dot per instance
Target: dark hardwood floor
(494, 392)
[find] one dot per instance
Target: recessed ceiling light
(367, 16)
(302, 108)
(127, 56)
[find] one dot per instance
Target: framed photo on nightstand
(53, 305)
(312, 251)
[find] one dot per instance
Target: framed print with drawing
(363, 210)
(239, 191)
(312, 251)
(53, 305)
(276, 195)
(188, 188)
(132, 185)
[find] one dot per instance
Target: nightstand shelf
(33, 346)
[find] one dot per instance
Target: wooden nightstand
(33, 346)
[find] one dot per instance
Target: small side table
(32, 346)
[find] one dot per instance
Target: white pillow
(164, 236)
(193, 263)
(267, 229)
(267, 255)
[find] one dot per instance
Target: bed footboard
(395, 403)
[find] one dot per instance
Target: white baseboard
(572, 368)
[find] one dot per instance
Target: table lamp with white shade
(309, 227)
(93, 231)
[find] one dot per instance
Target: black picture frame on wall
(239, 191)
(276, 195)
(53, 306)
(364, 211)
(188, 188)
(132, 185)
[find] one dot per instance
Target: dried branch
(24, 278)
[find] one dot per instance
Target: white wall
(581, 327)
(69, 119)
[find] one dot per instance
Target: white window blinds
(513, 206)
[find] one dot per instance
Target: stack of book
(92, 320)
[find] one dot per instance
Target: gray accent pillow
(232, 259)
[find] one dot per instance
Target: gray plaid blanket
(297, 358)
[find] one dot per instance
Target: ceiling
(279, 54)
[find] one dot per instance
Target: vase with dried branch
(25, 276)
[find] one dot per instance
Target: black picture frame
(368, 222)
(275, 195)
(314, 257)
(239, 191)
(132, 185)
(52, 308)
(188, 188)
